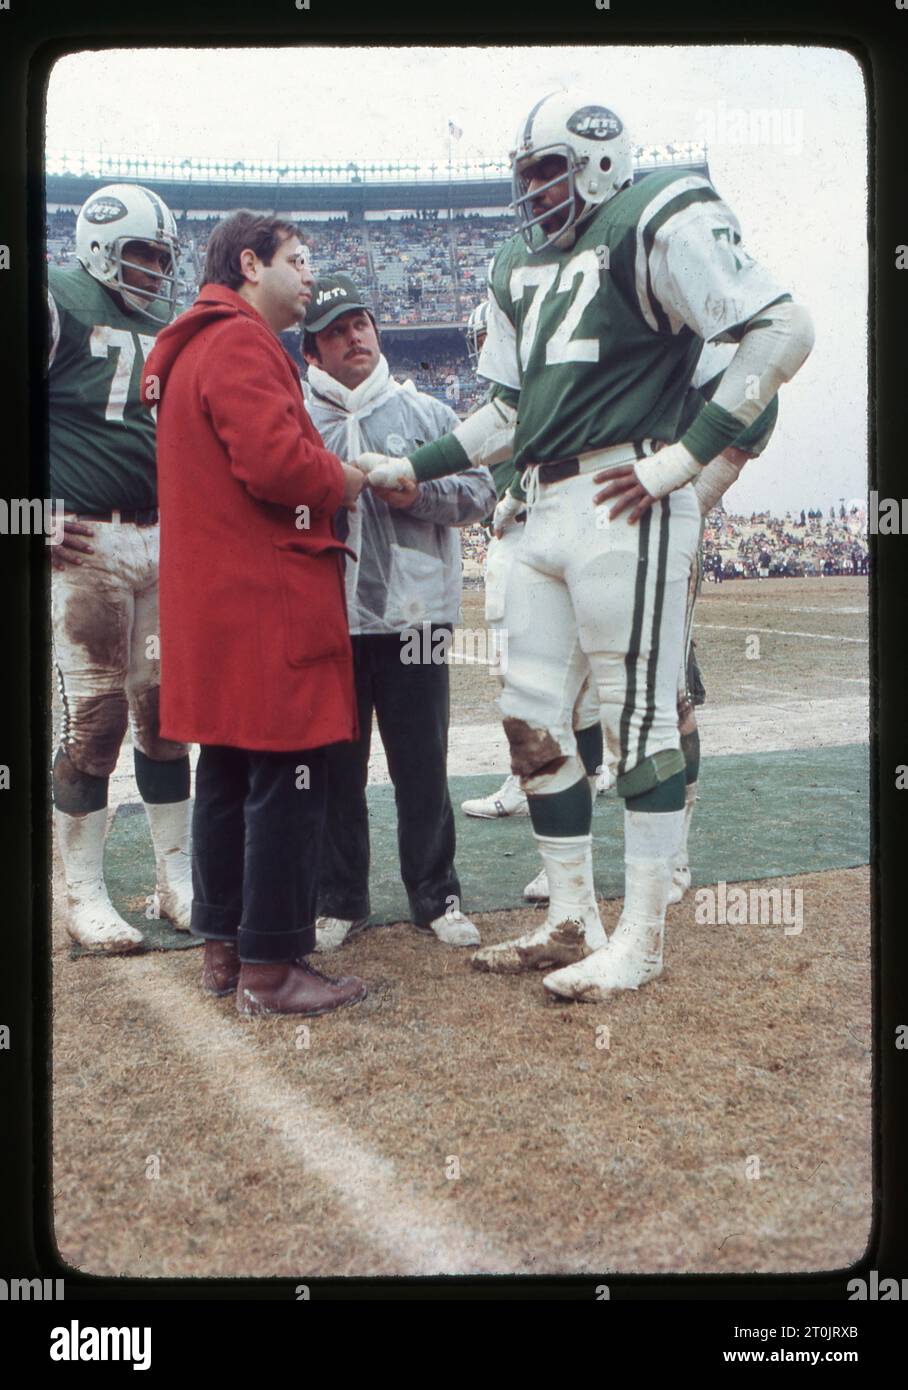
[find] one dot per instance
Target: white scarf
(359, 402)
(356, 405)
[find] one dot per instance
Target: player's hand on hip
(354, 482)
(627, 490)
(74, 543)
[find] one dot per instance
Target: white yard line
(781, 632)
(411, 1230)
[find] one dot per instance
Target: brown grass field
(719, 1120)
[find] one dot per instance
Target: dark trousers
(412, 706)
(257, 831)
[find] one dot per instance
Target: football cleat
(552, 944)
(90, 917)
(632, 958)
(509, 800)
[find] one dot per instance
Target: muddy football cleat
(551, 945)
(89, 916)
(632, 958)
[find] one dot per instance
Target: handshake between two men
(391, 479)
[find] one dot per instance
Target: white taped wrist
(506, 511)
(393, 473)
(671, 468)
(487, 436)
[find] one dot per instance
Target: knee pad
(76, 793)
(161, 783)
(145, 725)
(649, 773)
(93, 729)
(554, 778)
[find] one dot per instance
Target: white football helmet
(593, 140)
(110, 219)
(475, 332)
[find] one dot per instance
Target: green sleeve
(754, 439)
(439, 458)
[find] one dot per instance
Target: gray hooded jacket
(409, 567)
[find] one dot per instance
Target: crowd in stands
(760, 546)
(420, 269)
(447, 376)
(767, 547)
(413, 279)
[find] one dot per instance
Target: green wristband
(711, 432)
(441, 457)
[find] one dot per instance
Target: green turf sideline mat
(766, 815)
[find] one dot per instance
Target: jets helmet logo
(595, 123)
(105, 210)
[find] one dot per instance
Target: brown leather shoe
(294, 987)
(220, 968)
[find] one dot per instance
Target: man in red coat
(256, 661)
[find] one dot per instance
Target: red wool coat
(255, 648)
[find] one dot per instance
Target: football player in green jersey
(104, 312)
(510, 799)
(599, 309)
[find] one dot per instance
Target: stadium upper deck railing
(114, 167)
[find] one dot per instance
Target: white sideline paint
(412, 1231)
(782, 632)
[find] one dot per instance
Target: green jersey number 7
(562, 346)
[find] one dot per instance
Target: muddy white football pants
(106, 640)
(584, 589)
(499, 561)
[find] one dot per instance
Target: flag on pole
(454, 131)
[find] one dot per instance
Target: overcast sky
(786, 129)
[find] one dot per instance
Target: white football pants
(499, 560)
(588, 592)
